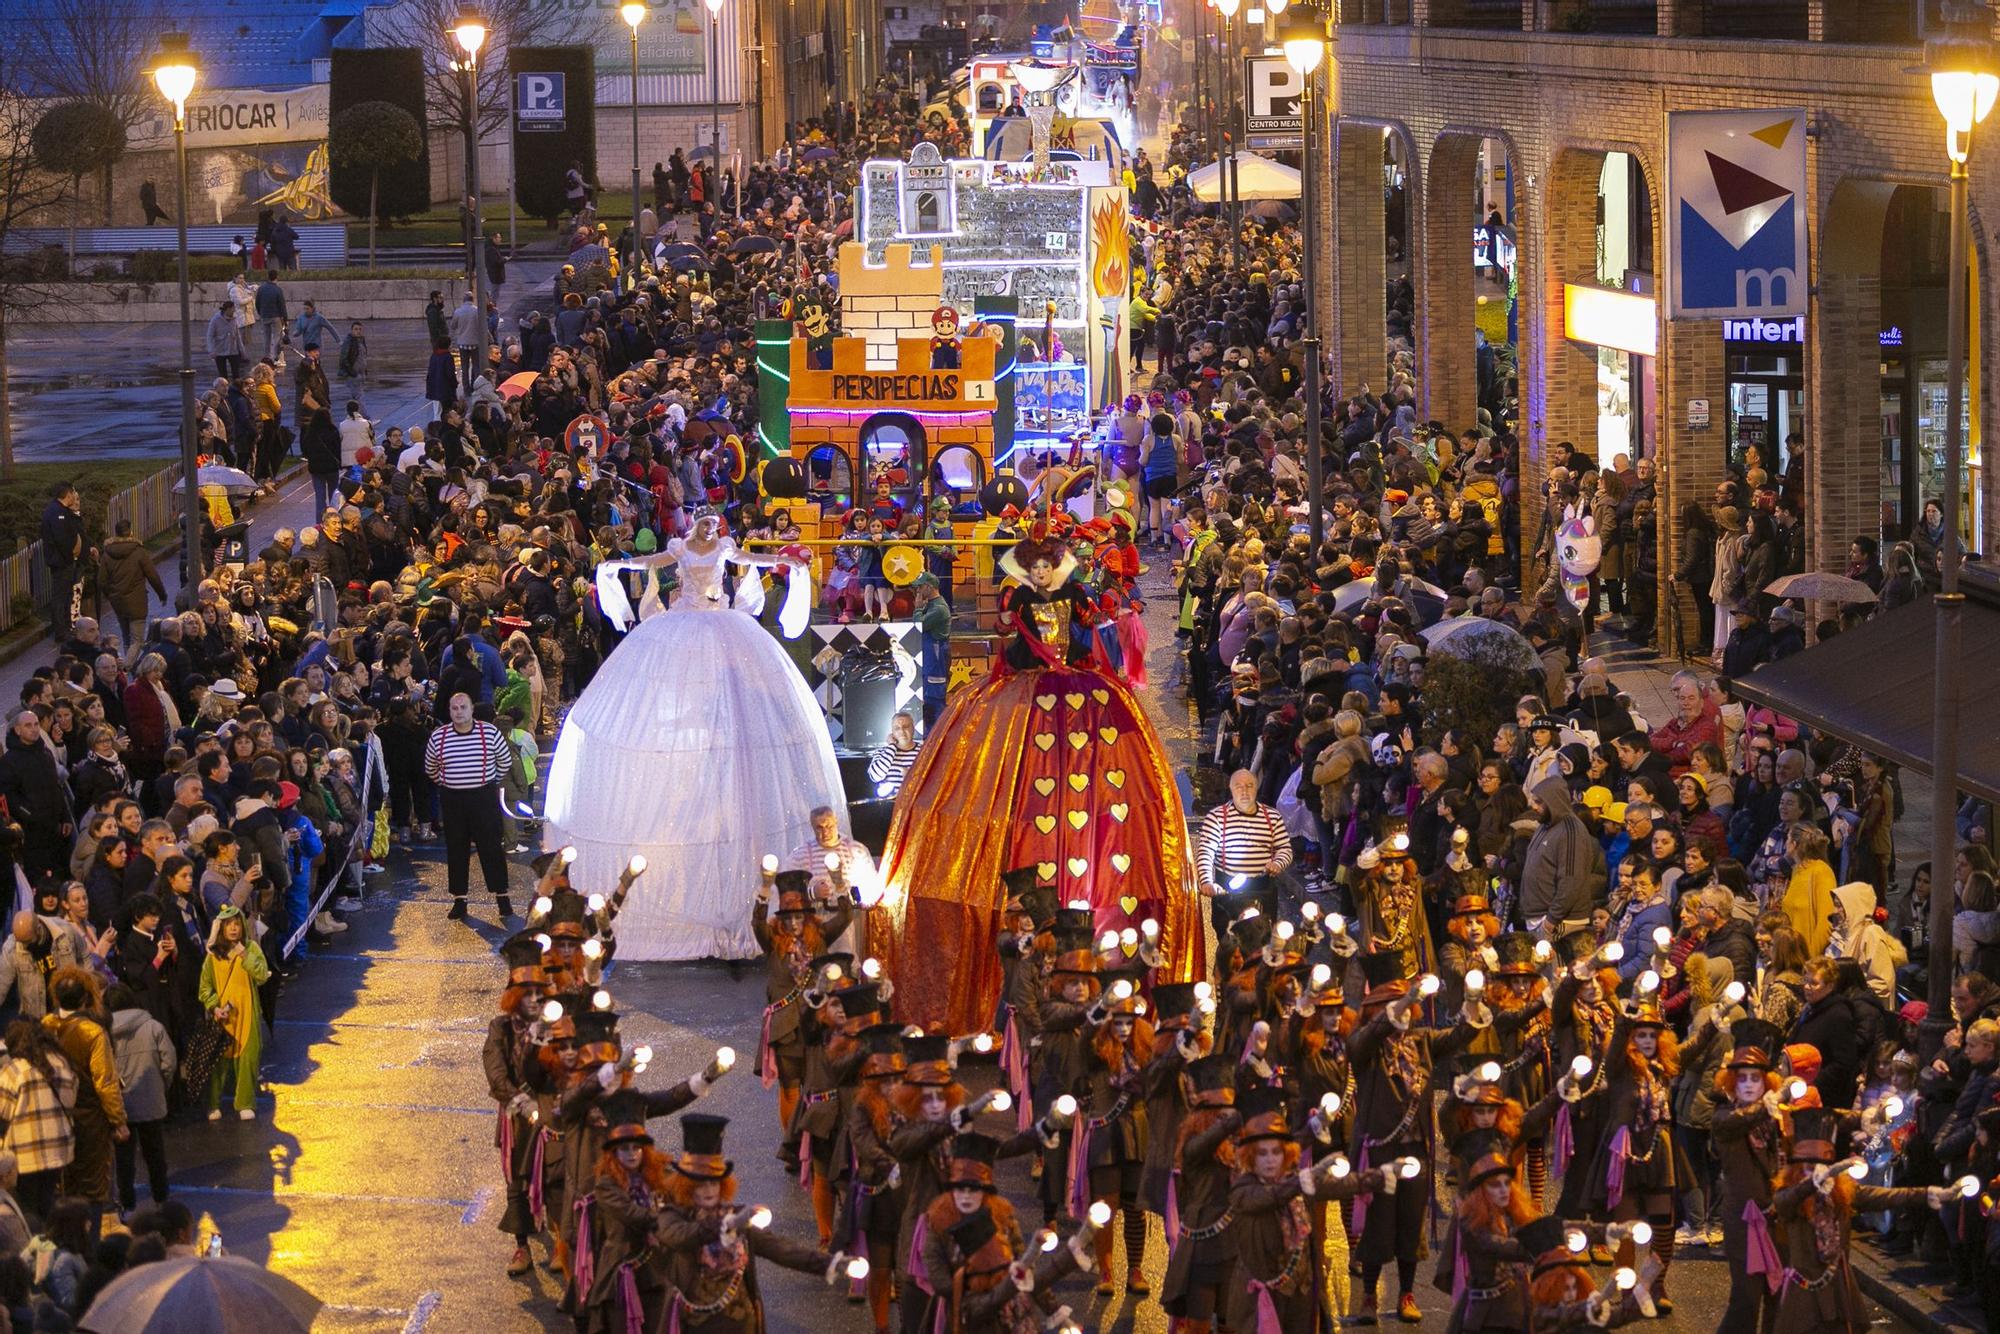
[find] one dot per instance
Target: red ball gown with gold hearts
(1049, 761)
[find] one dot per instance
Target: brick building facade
(1559, 101)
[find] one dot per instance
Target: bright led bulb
(1203, 991)
(1100, 1214)
(1321, 975)
(831, 861)
(1626, 1280)
(1065, 1106)
(1427, 985)
(642, 1053)
(1107, 942)
(857, 1268)
(1309, 911)
(1580, 1068)
(552, 1011)
(1284, 931)
(1049, 1240)
(1544, 951)
(637, 866)
(1475, 980)
(543, 903)
(1121, 989)
(983, 1043)
(1336, 924)
(1408, 1168)
(1734, 993)
(1238, 881)
(1642, 1233)
(1892, 1107)
(542, 940)
(600, 999)
(1329, 1104)
(1003, 1101)
(1150, 929)
(1488, 1072)
(1858, 1169)
(1129, 938)
(1612, 953)
(1662, 937)
(1341, 1167)
(1649, 982)
(593, 948)
(1400, 842)
(1795, 1090)
(770, 863)
(595, 903)
(1576, 1241)
(871, 969)
(725, 1058)
(1966, 1186)
(760, 1218)
(568, 854)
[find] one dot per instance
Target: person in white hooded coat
(1858, 936)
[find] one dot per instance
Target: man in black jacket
(36, 798)
(63, 553)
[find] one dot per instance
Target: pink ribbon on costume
(628, 1293)
(1761, 1253)
(503, 1139)
(1461, 1269)
(1014, 1069)
(583, 1267)
(1361, 1200)
(1079, 1168)
(537, 1201)
(805, 1158)
(914, 1265)
(1614, 1175)
(1562, 1142)
(674, 1313)
(767, 1060)
(1173, 1207)
(1267, 1308)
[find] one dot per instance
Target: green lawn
(440, 226)
(97, 480)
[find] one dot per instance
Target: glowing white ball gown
(697, 744)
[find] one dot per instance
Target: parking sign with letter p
(540, 102)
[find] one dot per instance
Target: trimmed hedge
(163, 266)
(382, 75)
(542, 157)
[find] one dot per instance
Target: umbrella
(1351, 595)
(232, 480)
(845, 227)
(754, 245)
(1275, 209)
(700, 151)
(682, 263)
(224, 1294)
(1483, 641)
(678, 248)
(516, 385)
(1818, 586)
(820, 154)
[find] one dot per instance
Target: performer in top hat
(509, 1047)
(974, 1258)
(1392, 1057)
(711, 1250)
(1633, 1174)
(1492, 1207)
(871, 1194)
(629, 1281)
(933, 1106)
(1815, 1203)
(1107, 1147)
(838, 1008)
(1201, 1253)
(792, 939)
(1748, 1132)
(1277, 1285)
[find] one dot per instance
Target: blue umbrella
(754, 245)
(820, 154)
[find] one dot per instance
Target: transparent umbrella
(1477, 639)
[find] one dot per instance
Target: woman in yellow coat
(230, 975)
(1808, 901)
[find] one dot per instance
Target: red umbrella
(516, 385)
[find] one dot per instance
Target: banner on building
(1736, 213)
(237, 117)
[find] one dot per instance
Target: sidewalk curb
(1907, 1301)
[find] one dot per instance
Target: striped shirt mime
(469, 759)
(888, 767)
(1234, 842)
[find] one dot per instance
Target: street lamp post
(175, 73)
(1226, 169)
(1964, 85)
(634, 13)
(1304, 38)
(469, 31)
(715, 95)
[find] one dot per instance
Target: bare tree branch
(28, 195)
(425, 25)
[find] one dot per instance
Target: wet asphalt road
(376, 1184)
